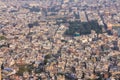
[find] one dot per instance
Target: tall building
(65, 1)
(109, 26)
(76, 0)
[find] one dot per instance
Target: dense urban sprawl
(33, 44)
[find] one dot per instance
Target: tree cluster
(83, 28)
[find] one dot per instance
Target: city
(60, 39)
